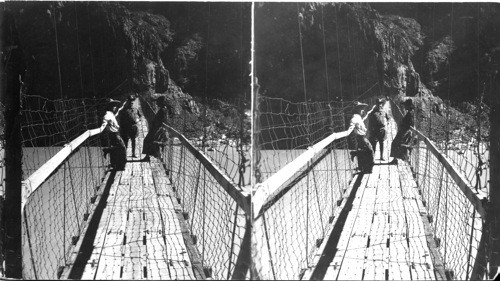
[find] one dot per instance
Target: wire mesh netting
(461, 131)
(48, 125)
(456, 221)
(291, 226)
(56, 211)
(216, 217)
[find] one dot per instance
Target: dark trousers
(377, 136)
(373, 142)
(130, 133)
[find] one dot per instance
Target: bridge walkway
(386, 235)
(141, 233)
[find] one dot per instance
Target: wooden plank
(110, 260)
(111, 256)
(180, 263)
(134, 250)
(342, 245)
(91, 267)
(421, 266)
(354, 257)
(373, 177)
(418, 251)
(101, 233)
(399, 263)
(356, 203)
(156, 259)
(393, 176)
(377, 252)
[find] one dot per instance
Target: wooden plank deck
(140, 234)
(384, 237)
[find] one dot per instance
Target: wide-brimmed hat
(131, 98)
(358, 106)
(380, 101)
(409, 103)
(113, 102)
(110, 103)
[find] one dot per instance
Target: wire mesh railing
(63, 167)
(461, 131)
(48, 125)
(455, 212)
(302, 159)
(213, 200)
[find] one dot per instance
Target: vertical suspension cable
(337, 21)
(78, 49)
(90, 50)
(206, 81)
(299, 15)
(57, 53)
(324, 53)
(433, 39)
(85, 124)
(353, 83)
(447, 140)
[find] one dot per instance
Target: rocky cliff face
(328, 50)
(75, 49)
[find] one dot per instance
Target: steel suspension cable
(90, 50)
(337, 21)
(82, 95)
(324, 53)
(299, 15)
(447, 139)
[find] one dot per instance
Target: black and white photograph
(245, 140)
(127, 134)
(375, 140)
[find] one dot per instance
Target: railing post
(244, 259)
(13, 179)
(493, 214)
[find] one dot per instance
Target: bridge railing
(454, 211)
(60, 194)
(304, 172)
(216, 209)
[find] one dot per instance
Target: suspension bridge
(182, 218)
(317, 218)
(311, 215)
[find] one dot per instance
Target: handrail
(457, 176)
(268, 190)
(241, 197)
(38, 177)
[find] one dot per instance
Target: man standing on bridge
(128, 122)
(377, 120)
(364, 150)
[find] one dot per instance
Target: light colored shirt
(110, 120)
(358, 125)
